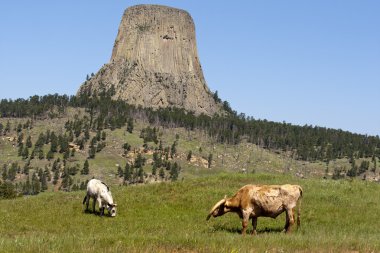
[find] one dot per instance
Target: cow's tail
(299, 209)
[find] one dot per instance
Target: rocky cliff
(155, 62)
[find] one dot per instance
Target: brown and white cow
(253, 201)
(100, 192)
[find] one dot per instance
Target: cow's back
(94, 187)
(271, 200)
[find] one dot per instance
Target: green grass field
(337, 216)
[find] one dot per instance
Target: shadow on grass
(237, 230)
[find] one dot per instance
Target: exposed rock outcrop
(155, 62)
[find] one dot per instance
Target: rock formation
(155, 63)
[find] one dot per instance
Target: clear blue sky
(302, 62)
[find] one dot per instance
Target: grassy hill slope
(337, 216)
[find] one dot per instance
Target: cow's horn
(222, 201)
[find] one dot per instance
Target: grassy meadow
(336, 216)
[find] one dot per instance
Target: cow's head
(219, 208)
(112, 209)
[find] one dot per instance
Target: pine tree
(120, 172)
(29, 142)
(7, 127)
(56, 177)
(40, 154)
(4, 174)
(161, 173)
(86, 168)
(209, 161)
(189, 155)
(44, 185)
(25, 153)
(26, 167)
(53, 142)
(130, 125)
(173, 149)
(36, 186)
(20, 149)
(174, 172)
(91, 152)
(354, 169)
(47, 173)
(154, 169)
(127, 173)
(374, 164)
(20, 138)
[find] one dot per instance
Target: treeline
(309, 143)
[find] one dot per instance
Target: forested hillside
(58, 142)
(309, 143)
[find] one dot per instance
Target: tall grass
(337, 216)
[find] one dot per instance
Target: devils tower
(155, 63)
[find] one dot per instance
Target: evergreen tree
(91, 152)
(127, 173)
(7, 128)
(27, 187)
(36, 185)
(154, 169)
(40, 141)
(47, 136)
(354, 169)
(19, 128)
(140, 161)
(47, 173)
(66, 155)
(140, 175)
(7, 190)
(56, 177)
(173, 149)
(12, 172)
(40, 154)
(189, 155)
(120, 171)
(20, 149)
(4, 174)
(26, 167)
(174, 172)
(25, 153)
(209, 161)
(44, 185)
(130, 125)
(161, 173)
(29, 142)
(53, 142)
(364, 166)
(86, 168)
(20, 138)
(374, 163)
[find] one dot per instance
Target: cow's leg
(245, 221)
(93, 204)
(87, 201)
(254, 225)
(101, 208)
(289, 220)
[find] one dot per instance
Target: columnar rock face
(155, 63)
